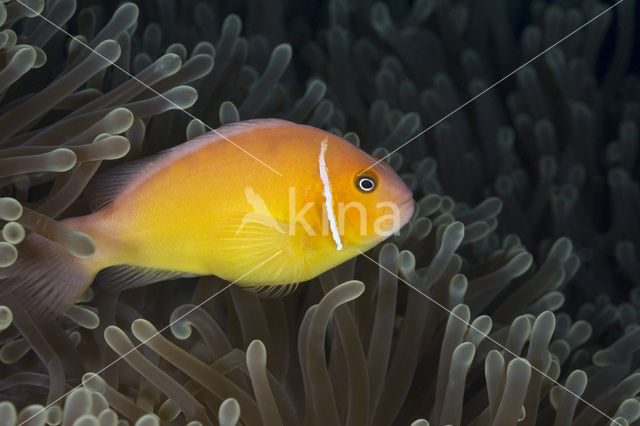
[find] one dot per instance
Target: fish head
(371, 201)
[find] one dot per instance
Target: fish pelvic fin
(271, 291)
(46, 280)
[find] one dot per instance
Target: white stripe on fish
(328, 196)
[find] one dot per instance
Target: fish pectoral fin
(123, 277)
(253, 239)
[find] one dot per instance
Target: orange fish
(297, 202)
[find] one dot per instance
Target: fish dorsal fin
(123, 277)
(104, 188)
(241, 126)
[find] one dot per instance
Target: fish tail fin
(46, 279)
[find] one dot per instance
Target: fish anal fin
(123, 277)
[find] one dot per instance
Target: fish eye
(366, 183)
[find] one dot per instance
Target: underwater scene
(319, 213)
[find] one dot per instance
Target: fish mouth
(406, 211)
(403, 212)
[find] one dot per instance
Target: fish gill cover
(525, 229)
